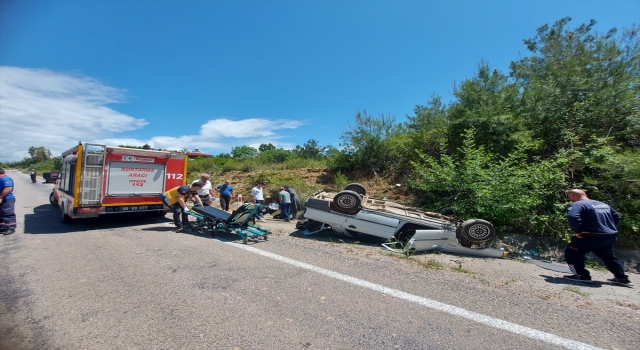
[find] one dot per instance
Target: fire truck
(97, 179)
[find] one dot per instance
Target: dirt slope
(307, 180)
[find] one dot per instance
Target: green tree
(578, 84)
(310, 150)
(39, 154)
(374, 143)
(266, 147)
(243, 152)
(508, 191)
(487, 103)
(279, 155)
(428, 128)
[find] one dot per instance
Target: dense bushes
(513, 193)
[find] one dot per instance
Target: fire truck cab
(98, 179)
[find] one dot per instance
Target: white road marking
(436, 305)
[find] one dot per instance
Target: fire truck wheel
(52, 200)
(66, 219)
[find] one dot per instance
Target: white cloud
(39, 107)
(220, 135)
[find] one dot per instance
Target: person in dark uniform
(33, 175)
(176, 199)
(7, 205)
(595, 227)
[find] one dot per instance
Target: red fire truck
(98, 179)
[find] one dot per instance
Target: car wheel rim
(479, 231)
(347, 201)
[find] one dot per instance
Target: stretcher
(213, 221)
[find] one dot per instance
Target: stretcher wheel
(201, 230)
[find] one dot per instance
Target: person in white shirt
(258, 198)
(206, 192)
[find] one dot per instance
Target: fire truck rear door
(92, 174)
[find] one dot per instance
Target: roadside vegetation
(505, 149)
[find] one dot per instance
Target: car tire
(347, 202)
(476, 231)
(357, 188)
(52, 200)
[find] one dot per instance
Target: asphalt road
(129, 282)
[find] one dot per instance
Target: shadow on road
(560, 280)
(335, 237)
(220, 236)
(46, 220)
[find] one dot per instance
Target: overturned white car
(405, 229)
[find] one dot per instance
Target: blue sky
(218, 74)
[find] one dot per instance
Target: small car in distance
(51, 176)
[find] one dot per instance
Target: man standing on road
(258, 198)
(594, 226)
(7, 205)
(226, 192)
(33, 175)
(206, 192)
(285, 204)
(176, 199)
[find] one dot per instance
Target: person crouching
(176, 199)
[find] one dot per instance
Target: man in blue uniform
(7, 205)
(594, 226)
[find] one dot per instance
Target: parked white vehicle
(404, 229)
